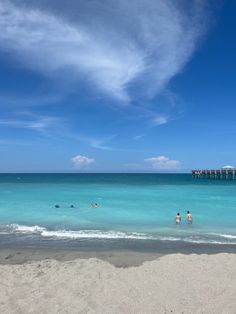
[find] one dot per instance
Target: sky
(117, 86)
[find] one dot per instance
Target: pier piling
(228, 174)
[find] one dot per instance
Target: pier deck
(229, 174)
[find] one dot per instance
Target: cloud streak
(38, 124)
(115, 47)
(160, 120)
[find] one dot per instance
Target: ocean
(136, 207)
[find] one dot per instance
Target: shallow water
(131, 206)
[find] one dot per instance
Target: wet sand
(116, 258)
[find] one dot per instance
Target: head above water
(188, 212)
(178, 214)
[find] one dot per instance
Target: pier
(223, 174)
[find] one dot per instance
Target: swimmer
(72, 206)
(177, 219)
(57, 206)
(95, 205)
(189, 217)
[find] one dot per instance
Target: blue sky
(117, 86)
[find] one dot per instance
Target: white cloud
(80, 161)
(141, 42)
(160, 119)
(163, 163)
(139, 136)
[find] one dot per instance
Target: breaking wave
(210, 238)
(78, 234)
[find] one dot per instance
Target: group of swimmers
(58, 206)
(188, 217)
(177, 217)
(72, 206)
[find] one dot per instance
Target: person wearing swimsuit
(189, 217)
(177, 219)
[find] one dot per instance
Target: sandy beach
(174, 283)
(117, 157)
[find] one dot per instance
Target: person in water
(177, 219)
(189, 217)
(95, 205)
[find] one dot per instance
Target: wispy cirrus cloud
(140, 43)
(11, 142)
(38, 123)
(139, 136)
(160, 119)
(94, 142)
(55, 128)
(9, 100)
(99, 143)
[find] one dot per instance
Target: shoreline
(118, 253)
(116, 258)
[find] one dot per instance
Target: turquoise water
(135, 206)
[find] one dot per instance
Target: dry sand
(171, 284)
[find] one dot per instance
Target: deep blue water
(136, 206)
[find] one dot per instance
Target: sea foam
(212, 238)
(76, 234)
